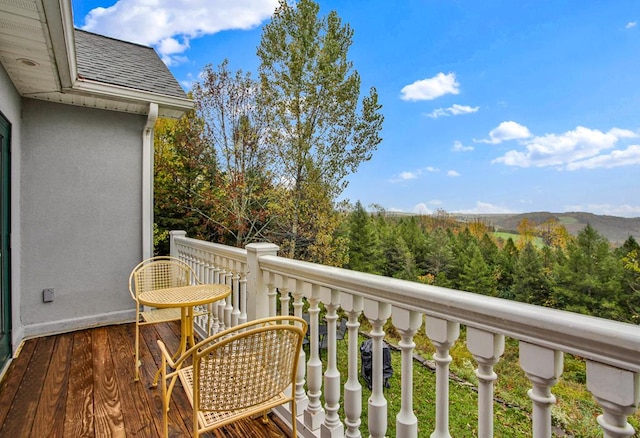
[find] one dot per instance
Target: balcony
(330, 402)
(80, 384)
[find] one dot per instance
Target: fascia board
(59, 19)
(108, 91)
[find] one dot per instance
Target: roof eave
(119, 93)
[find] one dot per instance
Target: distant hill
(615, 229)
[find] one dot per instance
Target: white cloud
(459, 147)
(571, 148)
(485, 208)
(617, 158)
(422, 208)
(429, 89)
(453, 173)
(453, 110)
(169, 25)
(506, 131)
(426, 207)
(406, 176)
(631, 24)
(412, 174)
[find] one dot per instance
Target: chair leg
(294, 421)
(137, 358)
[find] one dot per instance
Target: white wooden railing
(262, 283)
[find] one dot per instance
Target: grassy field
(574, 415)
(537, 241)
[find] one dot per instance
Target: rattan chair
(237, 373)
(157, 273)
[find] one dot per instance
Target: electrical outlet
(47, 295)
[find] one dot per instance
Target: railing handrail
(585, 336)
(226, 251)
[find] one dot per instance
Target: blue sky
(490, 106)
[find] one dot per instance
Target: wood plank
(79, 409)
(109, 419)
(23, 409)
(179, 408)
(49, 419)
(101, 397)
(13, 377)
(139, 420)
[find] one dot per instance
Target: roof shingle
(125, 64)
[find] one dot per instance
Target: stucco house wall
(81, 214)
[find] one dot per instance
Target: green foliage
(582, 274)
(365, 249)
(310, 92)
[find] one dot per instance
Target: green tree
(234, 129)
(365, 250)
(629, 254)
(310, 94)
(416, 239)
(399, 262)
(184, 168)
(507, 265)
(531, 284)
(590, 279)
(477, 276)
(439, 253)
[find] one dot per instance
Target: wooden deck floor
(81, 384)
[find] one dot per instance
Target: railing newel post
(173, 248)
(257, 296)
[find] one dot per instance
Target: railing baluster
(213, 307)
(219, 305)
(443, 334)
(302, 401)
(618, 393)
(284, 296)
(543, 367)
(486, 349)
(332, 427)
(352, 305)
(314, 414)
(243, 293)
(235, 281)
(377, 313)
(273, 294)
(407, 323)
(228, 308)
